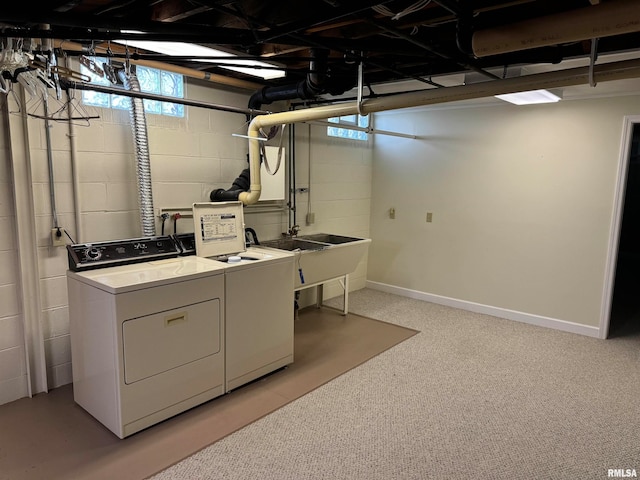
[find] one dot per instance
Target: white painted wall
(522, 202)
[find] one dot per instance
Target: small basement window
(346, 124)
(151, 80)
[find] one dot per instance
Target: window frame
(122, 102)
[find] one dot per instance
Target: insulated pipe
(614, 17)
(562, 78)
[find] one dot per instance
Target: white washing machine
(147, 339)
(259, 295)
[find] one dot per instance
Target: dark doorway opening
(625, 304)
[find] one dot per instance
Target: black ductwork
(240, 184)
(313, 85)
(317, 82)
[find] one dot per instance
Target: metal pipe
(73, 151)
(361, 129)
(47, 136)
(562, 78)
(614, 17)
(163, 98)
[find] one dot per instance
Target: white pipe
(614, 17)
(561, 78)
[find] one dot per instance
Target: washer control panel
(85, 256)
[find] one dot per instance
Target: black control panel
(186, 242)
(86, 256)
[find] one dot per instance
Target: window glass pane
(120, 102)
(152, 106)
(348, 119)
(96, 79)
(95, 98)
(173, 109)
(346, 132)
(149, 79)
(172, 84)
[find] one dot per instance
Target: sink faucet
(293, 231)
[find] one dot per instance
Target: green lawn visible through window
(151, 80)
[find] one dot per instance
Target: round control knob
(93, 253)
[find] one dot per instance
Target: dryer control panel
(86, 256)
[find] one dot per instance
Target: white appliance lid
(218, 228)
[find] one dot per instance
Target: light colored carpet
(470, 397)
(50, 437)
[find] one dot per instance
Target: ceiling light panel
(531, 97)
(253, 67)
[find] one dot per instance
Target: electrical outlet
(429, 217)
(57, 237)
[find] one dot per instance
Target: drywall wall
(521, 201)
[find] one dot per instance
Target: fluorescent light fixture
(530, 97)
(189, 49)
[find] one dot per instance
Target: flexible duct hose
(143, 162)
(240, 184)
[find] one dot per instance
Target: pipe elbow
(250, 197)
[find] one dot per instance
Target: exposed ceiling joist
(395, 40)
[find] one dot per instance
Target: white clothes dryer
(147, 339)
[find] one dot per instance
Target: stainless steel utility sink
(323, 256)
(329, 238)
(291, 244)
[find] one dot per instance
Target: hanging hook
(127, 63)
(592, 63)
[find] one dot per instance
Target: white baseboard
(529, 318)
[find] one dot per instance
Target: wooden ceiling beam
(175, 10)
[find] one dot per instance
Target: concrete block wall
(189, 157)
(337, 173)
